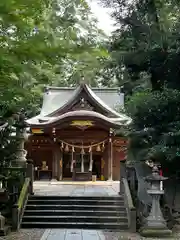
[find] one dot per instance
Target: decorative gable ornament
(83, 125)
(82, 105)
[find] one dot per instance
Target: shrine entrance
(81, 163)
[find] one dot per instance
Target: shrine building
(76, 135)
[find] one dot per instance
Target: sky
(105, 22)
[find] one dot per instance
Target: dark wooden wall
(42, 148)
(39, 155)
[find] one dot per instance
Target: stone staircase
(80, 212)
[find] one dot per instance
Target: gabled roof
(60, 100)
(56, 99)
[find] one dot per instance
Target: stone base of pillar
(54, 180)
(155, 227)
(109, 180)
(5, 231)
(155, 232)
(58, 178)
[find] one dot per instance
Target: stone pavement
(78, 234)
(76, 189)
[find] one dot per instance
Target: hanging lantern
(82, 151)
(98, 149)
(62, 145)
(66, 148)
(73, 149)
(90, 149)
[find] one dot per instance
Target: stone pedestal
(155, 224)
(21, 136)
(4, 229)
(21, 153)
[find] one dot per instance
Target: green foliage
(156, 123)
(45, 43)
(8, 146)
(155, 109)
(145, 61)
(146, 40)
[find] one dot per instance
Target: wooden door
(67, 166)
(97, 165)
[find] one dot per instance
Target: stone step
(46, 212)
(77, 212)
(51, 197)
(75, 202)
(74, 207)
(78, 219)
(76, 225)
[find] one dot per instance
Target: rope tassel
(82, 151)
(66, 148)
(98, 149)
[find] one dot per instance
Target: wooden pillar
(110, 158)
(102, 169)
(54, 163)
(59, 165)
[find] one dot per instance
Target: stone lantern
(155, 224)
(22, 136)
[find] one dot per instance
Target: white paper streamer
(82, 163)
(90, 163)
(72, 162)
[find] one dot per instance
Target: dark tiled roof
(56, 98)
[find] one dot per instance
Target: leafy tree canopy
(145, 61)
(45, 43)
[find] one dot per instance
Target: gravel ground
(36, 234)
(25, 234)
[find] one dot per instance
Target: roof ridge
(93, 88)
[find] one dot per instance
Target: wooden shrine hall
(75, 135)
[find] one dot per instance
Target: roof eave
(79, 115)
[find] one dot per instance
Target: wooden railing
(131, 210)
(18, 208)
